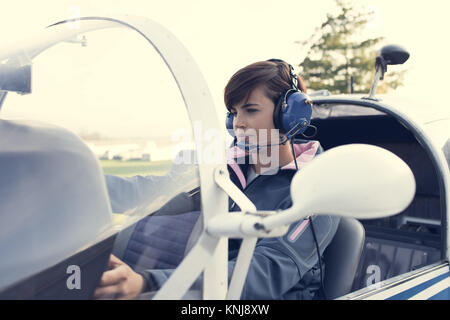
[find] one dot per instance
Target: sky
(119, 86)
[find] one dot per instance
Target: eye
(251, 110)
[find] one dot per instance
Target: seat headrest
(53, 198)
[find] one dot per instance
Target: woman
(262, 163)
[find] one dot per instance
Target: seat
(148, 245)
(342, 258)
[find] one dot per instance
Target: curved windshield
(440, 134)
(107, 128)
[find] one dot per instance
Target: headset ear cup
(229, 124)
(297, 115)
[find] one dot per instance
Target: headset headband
(294, 79)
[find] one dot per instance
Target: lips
(246, 138)
(241, 136)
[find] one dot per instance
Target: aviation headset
(293, 109)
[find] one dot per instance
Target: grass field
(135, 167)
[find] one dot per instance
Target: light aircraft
(382, 165)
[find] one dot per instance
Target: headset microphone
(250, 147)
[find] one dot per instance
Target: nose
(239, 121)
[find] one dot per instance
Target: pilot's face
(253, 118)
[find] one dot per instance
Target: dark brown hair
(274, 77)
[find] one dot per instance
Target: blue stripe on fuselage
(443, 295)
(405, 295)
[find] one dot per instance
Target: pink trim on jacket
(303, 151)
(294, 234)
(232, 154)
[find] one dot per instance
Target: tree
(338, 61)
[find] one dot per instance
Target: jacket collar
(304, 153)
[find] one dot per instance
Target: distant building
(130, 149)
(105, 156)
(146, 157)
